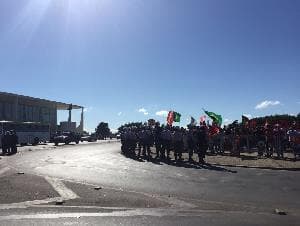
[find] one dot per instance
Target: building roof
(59, 105)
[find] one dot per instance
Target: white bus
(27, 132)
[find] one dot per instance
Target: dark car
(66, 137)
(89, 138)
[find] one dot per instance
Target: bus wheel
(56, 143)
(77, 142)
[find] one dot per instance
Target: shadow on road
(184, 164)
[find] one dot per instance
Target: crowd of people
(267, 140)
(9, 141)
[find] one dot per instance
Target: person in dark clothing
(158, 140)
(3, 143)
(260, 140)
(191, 138)
(166, 137)
(202, 143)
(14, 141)
(178, 144)
(6, 143)
(269, 136)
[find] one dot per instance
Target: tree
(130, 124)
(103, 130)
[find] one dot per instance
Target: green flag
(176, 116)
(215, 117)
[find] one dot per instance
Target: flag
(173, 116)
(170, 118)
(245, 119)
(176, 116)
(193, 121)
(202, 119)
(215, 117)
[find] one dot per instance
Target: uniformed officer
(178, 143)
(202, 143)
(157, 140)
(166, 141)
(191, 142)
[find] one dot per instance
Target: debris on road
(280, 212)
(20, 173)
(97, 188)
(59, 202)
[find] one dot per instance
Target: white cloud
(120, 113)
(266, 104)
(144, 111)
(162, 113)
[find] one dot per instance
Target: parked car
(89, 138)
(66, 137)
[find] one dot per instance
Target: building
(14, 107)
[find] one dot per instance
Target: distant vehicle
(66, 137)
(118, 136)
(89, 138)
(27, 132)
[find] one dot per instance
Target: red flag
(170, 118)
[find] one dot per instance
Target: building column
(80, 127)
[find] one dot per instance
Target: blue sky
(126, 60)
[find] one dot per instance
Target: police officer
(202, 143)
(166, 141)
(158, 140)
(178, 143)
(141, 141)
(191, 141)
(149, 141)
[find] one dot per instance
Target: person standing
(157, 140)
(269, 140)
(3, 143)
(191, 137)
(166, 141)
(202, 144)
(178, 144)
(14, 141)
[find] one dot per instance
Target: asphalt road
(101, 186)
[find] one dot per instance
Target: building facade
(14, 107)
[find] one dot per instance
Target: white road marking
(3, 170)
(21, 205)
(128, 213)
(61, 189)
